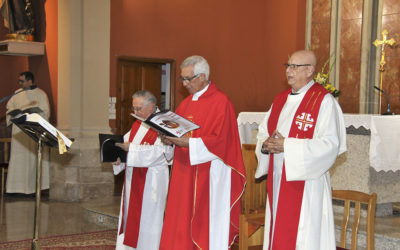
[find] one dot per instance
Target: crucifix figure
(382, 63)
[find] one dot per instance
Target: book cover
(169, 123)
(108, 151)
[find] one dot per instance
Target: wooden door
(134, 76)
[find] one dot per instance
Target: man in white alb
(298, 141)
(146, 180)
(21, 176)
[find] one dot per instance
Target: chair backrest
(254, 197)
(5, 149)
(350, 196)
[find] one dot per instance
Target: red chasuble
(136, 195)
(186, 222)
(291, 192)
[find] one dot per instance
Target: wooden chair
(253, 199)
(5, 147)
(349, 196)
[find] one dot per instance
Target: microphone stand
(8, 97)
(388, 112)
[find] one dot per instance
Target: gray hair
(200, 65)
(147, 95)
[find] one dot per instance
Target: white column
(83, 96)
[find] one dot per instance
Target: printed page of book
(45, 124)
(173, 123)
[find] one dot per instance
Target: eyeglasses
(295, 66)
(137, 109)
(188, 79)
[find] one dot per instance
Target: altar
(371, 163)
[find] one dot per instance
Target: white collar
(199, 93)
(304, 88)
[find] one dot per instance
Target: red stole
(136, 195)
(291, 192)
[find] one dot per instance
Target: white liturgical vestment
(156, 158)
(21, 176)
(306, 160)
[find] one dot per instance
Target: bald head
(301, 68)
(307, 56)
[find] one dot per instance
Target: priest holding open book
(146, 180)
(208, 175)
(22, 167)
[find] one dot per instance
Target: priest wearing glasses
(208, 175)
(298, 141)
(146, 180)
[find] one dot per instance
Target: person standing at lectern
(298, 142)
(146, 180)
(21, 176)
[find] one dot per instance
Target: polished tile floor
(56, 218)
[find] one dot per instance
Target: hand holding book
(178, 141)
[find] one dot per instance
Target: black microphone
(387, 100)
(8, 97)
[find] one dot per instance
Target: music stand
(42, 133)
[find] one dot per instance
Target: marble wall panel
(391, 7)
(352, 9)
(391, 75)
(320, 42)
(320, 31)
(350, 56)
(391, 84)
(392, 24)
(321, 11)
(350, 40)
(349, 85)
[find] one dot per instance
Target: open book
(169, 123)
(35, 125)
(108, 151)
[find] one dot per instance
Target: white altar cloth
(384, 150)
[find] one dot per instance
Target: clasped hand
(274, 143)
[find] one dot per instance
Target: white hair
(200, 65)
(147, 95)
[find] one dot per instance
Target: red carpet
(103, 240)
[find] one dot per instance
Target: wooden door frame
(172, 63)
